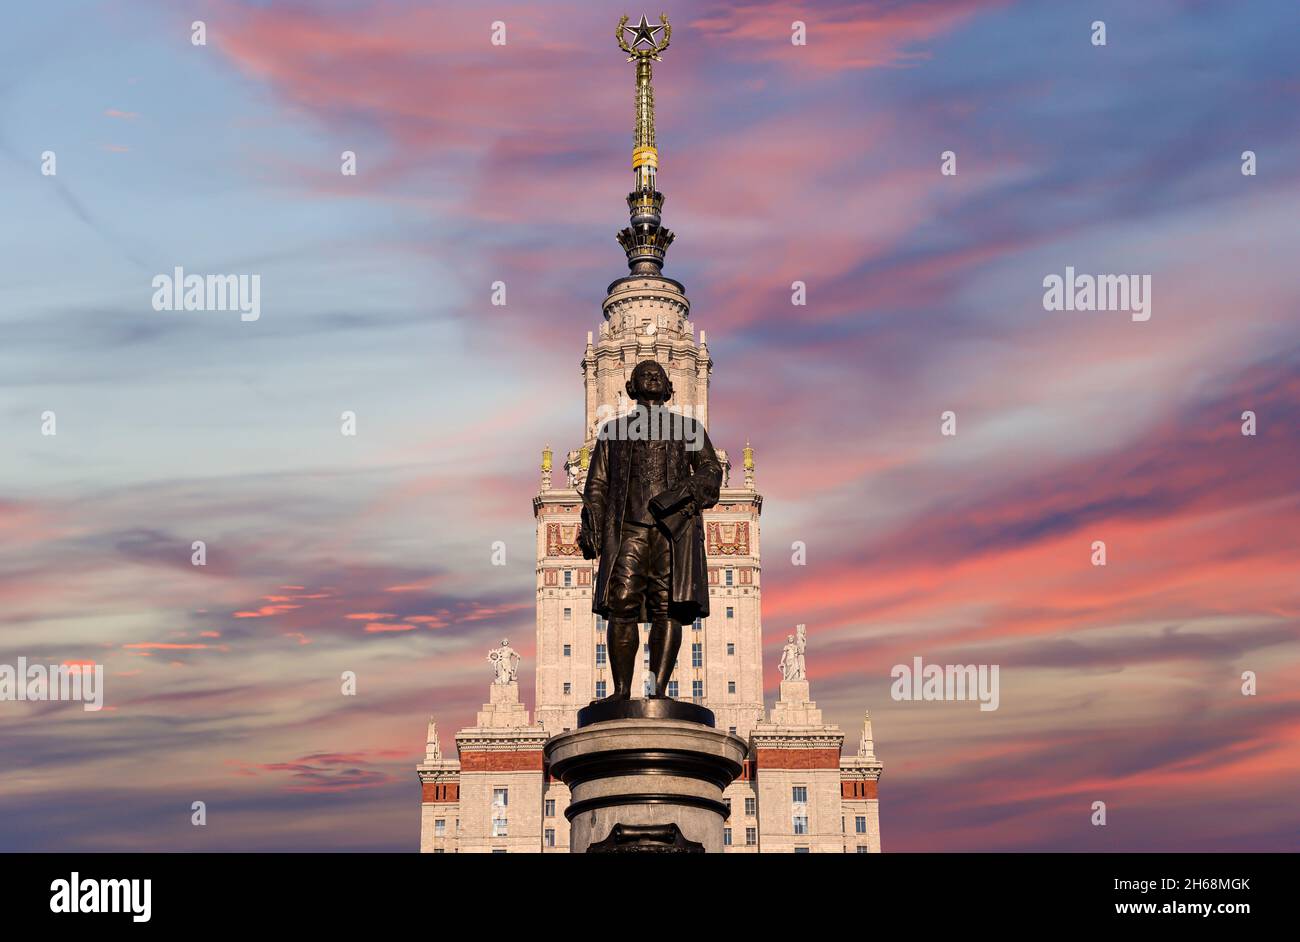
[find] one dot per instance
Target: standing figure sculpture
(792, 665)
(505, 661)
(652, 475)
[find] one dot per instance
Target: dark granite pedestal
(644, 766)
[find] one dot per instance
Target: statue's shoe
(614, 697)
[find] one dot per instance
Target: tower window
(568, 650)
(729, 576)
(500, 801)
(731, 612)
(601, 656)
(568, 578)
(731, 648)
(568, 614)
(697, 655)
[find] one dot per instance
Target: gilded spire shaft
(645, 157)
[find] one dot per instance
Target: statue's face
(505, 642)
(789, 637)
(649, 383)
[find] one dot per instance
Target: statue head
(649, 384)
(790, 638)
(505, 642)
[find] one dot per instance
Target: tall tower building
(796, 793)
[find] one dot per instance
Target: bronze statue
(652, 475)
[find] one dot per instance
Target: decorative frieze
(562, 539)
(727, 538)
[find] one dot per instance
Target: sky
(817, 163)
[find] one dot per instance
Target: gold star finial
(643, 44)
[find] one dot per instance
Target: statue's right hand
(589, 535)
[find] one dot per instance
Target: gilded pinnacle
(645, 241)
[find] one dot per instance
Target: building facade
(797, 792)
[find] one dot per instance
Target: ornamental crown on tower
(645, 240)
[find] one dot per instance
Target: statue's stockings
(624, 640)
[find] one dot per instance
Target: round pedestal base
(645, 774)
(649, 708)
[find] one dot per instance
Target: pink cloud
(161, 645)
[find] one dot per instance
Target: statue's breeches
(642, 572)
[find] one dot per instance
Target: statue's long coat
(605, 500)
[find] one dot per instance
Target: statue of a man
(652, 475)
(505, 661)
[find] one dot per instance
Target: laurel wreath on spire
(653, 52)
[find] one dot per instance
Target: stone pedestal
(795, 706)
(503, 707)
(640, 772)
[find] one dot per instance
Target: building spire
(646, 240)
(432, 748)
(867, 747)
